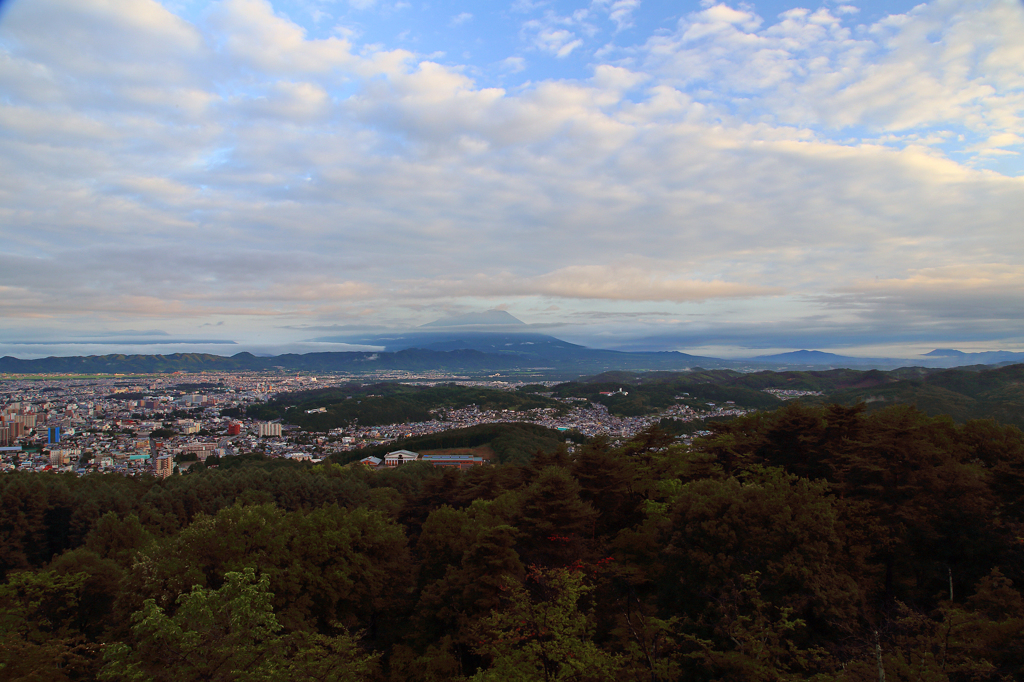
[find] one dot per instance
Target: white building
(269, 429)
(393, 459)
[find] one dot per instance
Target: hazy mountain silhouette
(488, 318)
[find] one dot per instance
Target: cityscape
(140, 426)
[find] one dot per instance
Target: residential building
(201, 450)
(269, 429)
(163, 466)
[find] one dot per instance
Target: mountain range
(492, 341)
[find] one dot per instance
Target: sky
(720, 178)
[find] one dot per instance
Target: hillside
(388, 403)
(996, 393)
(647, 397)
(976, 392)
(513, 443)
(804, 543)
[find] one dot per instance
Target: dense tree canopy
(804, 543)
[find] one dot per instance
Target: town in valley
(162, 424)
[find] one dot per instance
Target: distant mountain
(463, 353)
(129, 364)
(488, 318)
(503, 342)
(806, 357)
(939, 358)
(817, 358)
(990, 357)
(497, 346)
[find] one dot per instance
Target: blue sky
(709, 177)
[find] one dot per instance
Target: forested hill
(506, 443)
(819, 543)
(996, 393)
(387, 403)
(971, 393)
(978, 392)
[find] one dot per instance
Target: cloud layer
(166, 167)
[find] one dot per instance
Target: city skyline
(727, 179)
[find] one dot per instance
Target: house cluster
(790, 393)
(137, 425)
(154, 425)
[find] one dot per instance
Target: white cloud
(288, 102)
(946, 63)
(253, 34)
(633, 284)
(240, 166)
(559, 35)
(620, 282)
(514, 64)
(558, 41)
(619, 11)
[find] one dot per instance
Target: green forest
(388, 403)
(812, 542)
(963, 393)
(511, 443)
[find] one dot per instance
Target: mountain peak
(946, 353)
(487, 318)
(802, 355)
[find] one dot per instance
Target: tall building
(27, 420)
(269, 429)
(53, 435)
(163, 466)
